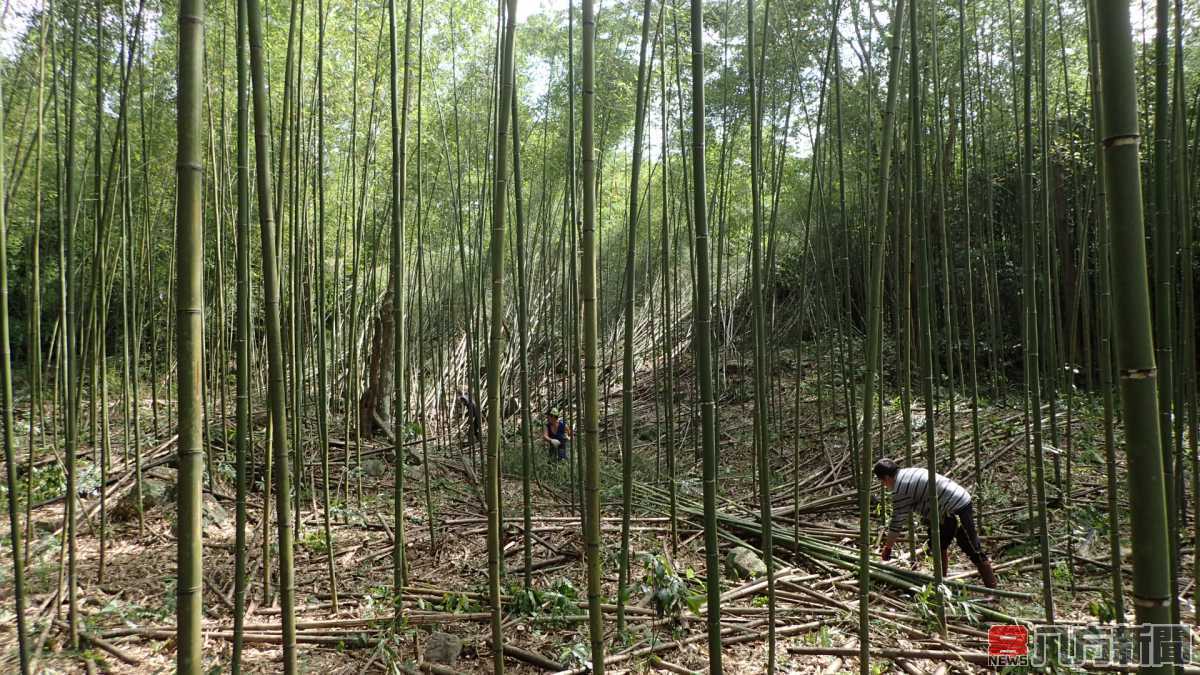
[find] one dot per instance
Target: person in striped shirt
(956, 517)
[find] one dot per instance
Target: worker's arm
(901, 509)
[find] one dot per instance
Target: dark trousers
(960, 527)
(561, 452)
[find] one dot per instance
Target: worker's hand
(885, 552)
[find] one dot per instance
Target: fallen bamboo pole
(975, 658)
(103, 644)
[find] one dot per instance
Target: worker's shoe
(987, 573)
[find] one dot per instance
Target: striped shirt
(910, 494)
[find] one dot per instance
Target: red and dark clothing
(960, 527)
(558, 431)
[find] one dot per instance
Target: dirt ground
(127, 616)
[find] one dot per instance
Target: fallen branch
(427, 667)
(976, 658)
(100, 643)
(666, 665)
(350, 640)
(532, 658)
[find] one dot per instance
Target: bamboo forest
(574, 336)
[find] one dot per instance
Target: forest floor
(128, 613)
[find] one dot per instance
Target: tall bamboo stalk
(668, 272)
(422, 215)
(761, 376)
(588, 289)
(399, 134)
(965, 156)
(6, 402)
(924, 300)
(635, 169)
(322, 313)
(1135, 347)
(527, 461)
(99, 300)
(1030, 302)
(132, 330)
(496, 329)
(1164, 279)
(875, 329)
(189, 265)
(37, 411)
(243, 339)
(1186, 380)
(1104, 318)
(703, 341)
(68, 355)
(275, 371)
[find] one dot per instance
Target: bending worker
(470, 413)
(557, 435)
(910, 494)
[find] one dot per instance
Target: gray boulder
(443, 648)
(374, 467)
(157, 491)
(742, 563)
(214, 517)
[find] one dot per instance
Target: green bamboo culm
(668, 270)
(431, 515)
(271, 317)
(398, 174)
(924, 303)
(761, 374)
(322, 353)
(875, 332)
(1104, 319)
(1164, 281)
(965, 159)
(1135, 344)
(527, 461)
(70, 310)
(921, 236)
(642, 94)
(588, 291)
(496, 333)
(1186, 382)
(1029, 296)
(6, 402)
(703, 342)
(133, 330)
(95, 345)
(189, 326)
(242, 340)
(37, 410)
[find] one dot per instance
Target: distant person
(470, 415)
(910, 494)
(557, 435)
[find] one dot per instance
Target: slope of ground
(127, 616)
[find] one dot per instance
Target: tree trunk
(376, 400)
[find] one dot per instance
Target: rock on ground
(742, 563)
(214, 516)
(443, 648)
(158, 489)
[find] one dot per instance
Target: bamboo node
(1151, 602)
(1128, 139)
(1138, 373)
